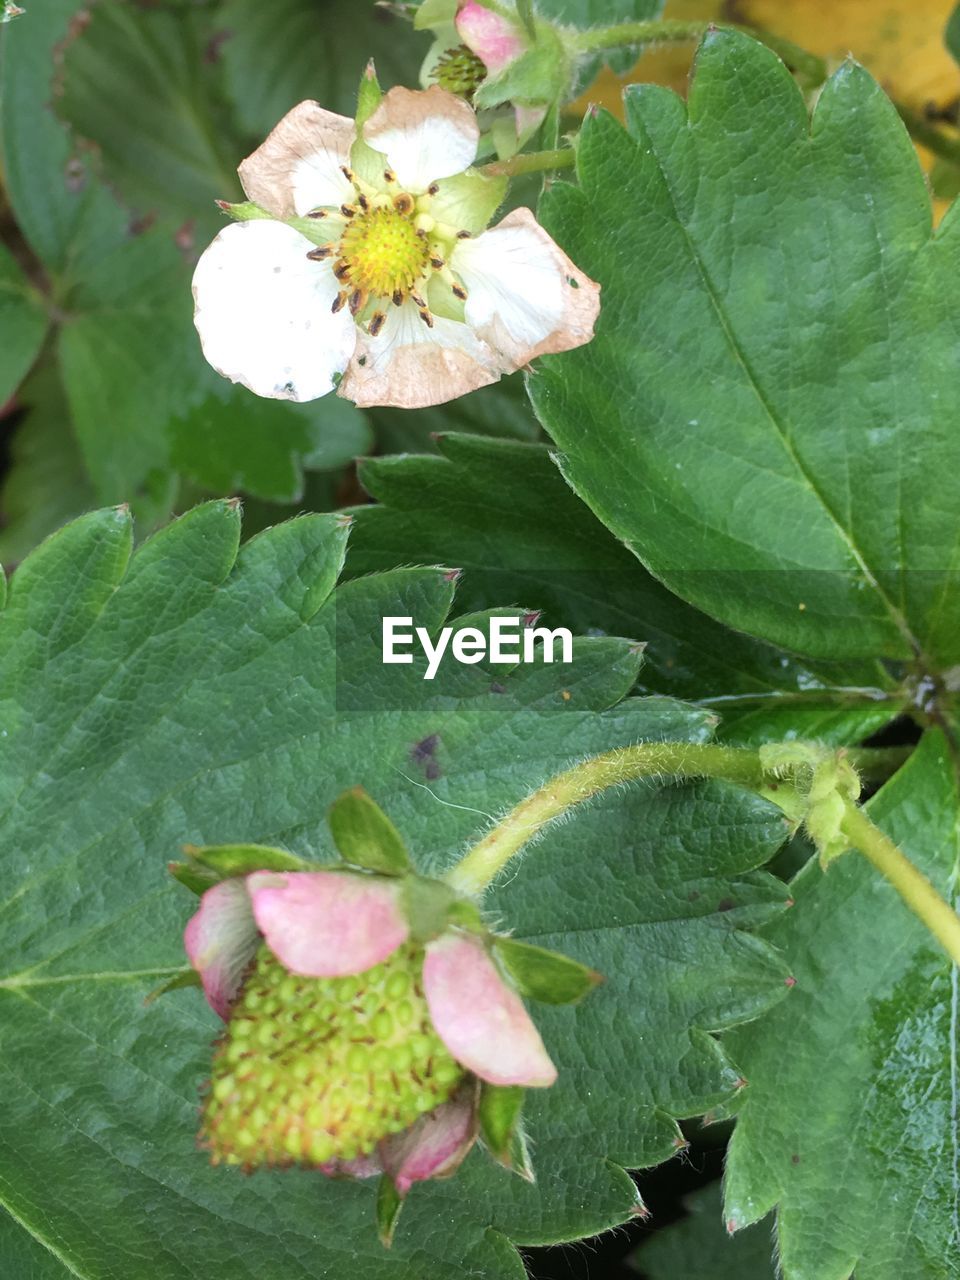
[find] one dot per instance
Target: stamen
(426, 317)
(398, 297)
(363, 202)
(433, 189)
(417, 298)
(358, 300)
(317, 213)
(459, 292)
(338, 303)
(342, 271)
(464, 235)
(403, 203)
(347, 173)
(348, 211)
(437, 264)
(389, 175)
(377, 321)
(322, 251)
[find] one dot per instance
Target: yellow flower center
(382, 252)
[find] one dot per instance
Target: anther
(322, 251)
(389, 175)
(403, 203)
(358, 300)
(398, 297)
(459, 292)
(433, 189)
(377, 321)
(342, 271)
(437, 264)
(317, 213)
(347, 173)
(363, 202)
(464, 235)
(426, 317)
(348, 211)
(338, 302)
(416, 298)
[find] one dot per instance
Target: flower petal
(220, 940)
(298, 168)
(327, 924)
(361, 1167)
(425, 135)
(524, 296)
(263, 312)
(495, 40)
(479, 1018)
(435, 1145)
(411, 366)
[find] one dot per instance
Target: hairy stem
(812, 69)
(531, 162)
(484, 862)
(912, 885)
(649, 759)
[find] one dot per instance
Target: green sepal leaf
(542, 74)
(389, 1204)
(525, 14)
(368, 95)
(365, 836)
(951, 34)
(193, 877)
(434, 13)
(428, 904)
(243, 210)
(499, 1115)
(188, 978)
(545, 975)
(228, 860)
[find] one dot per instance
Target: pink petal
(220, 940)
(494, 40)
(435, 1145)
(326, 924)
(479, 1018)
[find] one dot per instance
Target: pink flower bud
(495, 40)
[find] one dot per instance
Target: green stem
(483, 863)
(487, 859)
(809, 66)
(912, 885)
(531, 162)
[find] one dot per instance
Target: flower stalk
(682, 760)
(531, 162)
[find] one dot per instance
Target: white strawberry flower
(370, 270)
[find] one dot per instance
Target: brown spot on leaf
(424, 754)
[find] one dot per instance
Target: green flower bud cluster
(317, 1070)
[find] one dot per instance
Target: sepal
(187, 978)
(243, 210)
(365, 836)
(428, 905)
(389, 1204)
(226, 861)
(368, 95)
(544, 975)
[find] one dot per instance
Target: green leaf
(685, 1248)
(850, 1133)
(365, 836)
(772, 374)
(23, 324)
(951, 33)
(142, 86)
(46, 484)
(195, 693)
(281, 53)
(501, 511)
(545, 975)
